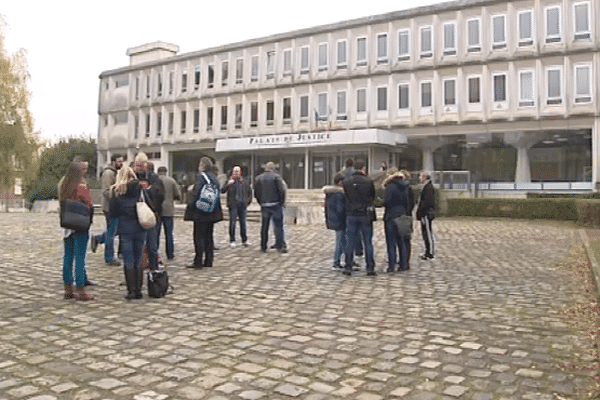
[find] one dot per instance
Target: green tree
(17, 143)
(53, 165)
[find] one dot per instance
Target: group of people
(350, 212)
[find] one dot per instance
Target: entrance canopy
(313, 139)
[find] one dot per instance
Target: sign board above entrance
(313, 139)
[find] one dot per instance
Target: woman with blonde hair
(125, 194)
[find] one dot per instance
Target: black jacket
(200, 216)
(335, 207)
(269, 189)
(156, 191)
(360, 194)
(396, 199)
(426, 200)
(124, 208)
(238, 192)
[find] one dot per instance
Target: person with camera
(239, 196)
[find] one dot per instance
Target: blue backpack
(209, 196)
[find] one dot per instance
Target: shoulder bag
(75, 215)
(158, 283)
(145, 215)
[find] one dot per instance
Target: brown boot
(69, 292)
(81, 295)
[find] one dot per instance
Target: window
(287, 62)
(304, 60)
(183, 122)
(303, 108)
(342, 56)
(382, 48)
(197, 72)
(270, 65)
(171, 122)
(210, 76)
(382, 102)
(158, 123)
(450, 92)
(323, 49)
(148, 125)
(526, 28)
(473, 41)
(426, 95)
(171, 82)
(474, 90)
(159, 85)
(196, 120)
(583, 84)
(238, 116)
(341, 105)
(426, 42)
(581, 13)
(148, 80)
(498, 31)
(270, 112)
(404, 45)
(209, 118)
(361, 52)
(554, 83)
(254, 69)
(239, 70)
(224, 73)
(361, 100)
(553, 31)
(499, 87)
(526, 89)
(287, 110)
(137, 88)
(403, 96)
(450, 38)
(223, 118)
(136, 127)
(322, 106)
(184, 82)
(253, 114)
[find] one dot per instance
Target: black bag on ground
(404, 225)
(158, 283)
(372, 213)
(75, 215)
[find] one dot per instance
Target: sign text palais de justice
(292, 138)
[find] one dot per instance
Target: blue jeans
(152, 243)
(132, 246)
(395, 242)
(340, 247)
(357, 226)
(267, 213)
(108, 238)
(235, 212)
(75, 249)
(167, 222)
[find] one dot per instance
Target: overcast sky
(70, 42)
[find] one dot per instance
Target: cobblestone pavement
(482, 321)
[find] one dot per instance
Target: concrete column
(428, 159)
(523, 173)
(596, 154)
(523, 142)
(306, 168)
(428, 146)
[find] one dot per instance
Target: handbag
(372, 213)
(158, 283)
(404, 225)
(188, 215)
(75, 215)
(146, 216)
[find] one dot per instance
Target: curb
(594, 266)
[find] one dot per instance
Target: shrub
(559, 209)
(588, 213)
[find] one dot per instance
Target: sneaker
(336, 267)
(245, 244)
(232, 244)
(426, 257)
(93, 244)
(371, 273)
(282, 250)
(346, 272)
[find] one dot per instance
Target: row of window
(525, 36)
(554, 95)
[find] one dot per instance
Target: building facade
(504, 93)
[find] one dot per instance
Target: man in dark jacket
(204, 221)
(426, 214)
(360, 195)
(270, 190)
(335, 216)
(239, 196)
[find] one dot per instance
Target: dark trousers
(236, 212)
(167, 222)
(204, 244)
(427, 232)
(276, 214)
(152, 243)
